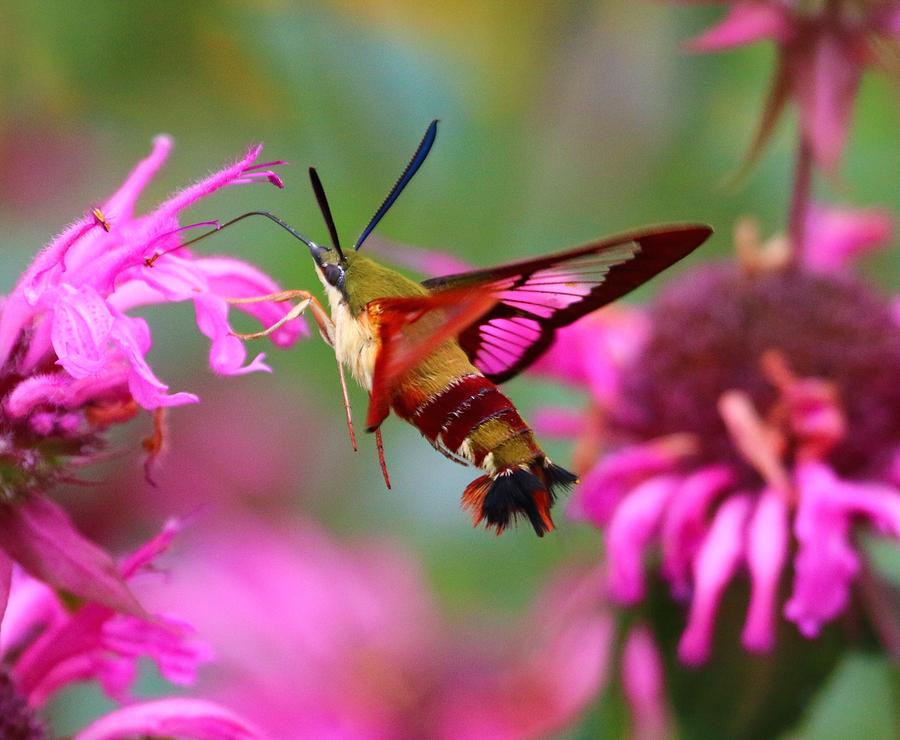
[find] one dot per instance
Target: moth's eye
(334, 274)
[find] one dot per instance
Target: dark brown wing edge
(661, 247)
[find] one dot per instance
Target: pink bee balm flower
(823, 48)
(755, 430)
(47, 646)
(73, 360)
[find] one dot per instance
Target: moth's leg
(379, 443)
(347, 406)
(326, 331)
(294, 313)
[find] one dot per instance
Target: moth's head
(334, 265)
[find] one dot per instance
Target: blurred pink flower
(47, 645)
(756, 425)
(312, 639)
(318, 639)
(72, 361)
(823, 48)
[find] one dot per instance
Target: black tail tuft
(557, 478)
(499, 500)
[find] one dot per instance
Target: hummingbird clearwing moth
(434, 351)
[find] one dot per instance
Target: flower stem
(800, 196)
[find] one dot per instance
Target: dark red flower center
(710, 330)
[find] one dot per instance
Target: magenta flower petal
(6, 566)
(121, 204)
(826, 561)
(634, 523)
(767, 546)
(558, 422)
(606, 484)
(835, 237)
(644, 683)
(182, 718)
(38, 534)
(236, 279)
(717, 561)
(685, 525)
(81, 330)
(747, 21)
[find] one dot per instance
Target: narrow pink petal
(826, 562)
(767, 547)
(32, 607)
(231, 278)
(120, 205)
(606, 484)
(558, 423)
(643, 680)
(889, 22)
(714, 566)
(207, 186)
(227, 353)
(633, 524)
(747, 21)
(686, 522)
(825, 81)
(38, 534)
(836, 237)
(6, 565)
(149, 551)
(184, 718)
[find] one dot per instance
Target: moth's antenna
(417, 159)
(326, 210)
(219, 227)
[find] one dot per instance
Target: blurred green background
(560, 122)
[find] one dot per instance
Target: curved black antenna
(326, 210)
(411, 169)
(313, 247)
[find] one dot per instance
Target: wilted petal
(767, 546)
(714, 566)
(746, 22)
(644, 683)
(685, 523)
(835, 237)
(38, 534)
(634, 523)
(825, 80)
(182, 718)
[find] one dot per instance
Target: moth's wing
(536, 297)
(410, 328)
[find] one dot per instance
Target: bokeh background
(560, 122)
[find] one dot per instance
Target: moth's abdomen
(471, 420)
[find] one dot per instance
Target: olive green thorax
(365, 280)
